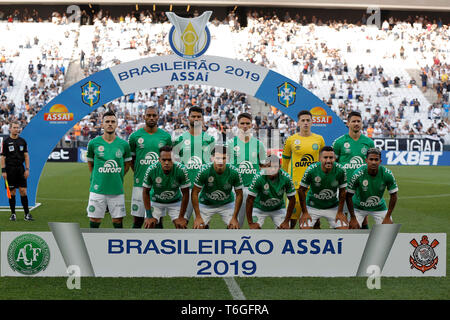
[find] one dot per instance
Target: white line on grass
(234, 289)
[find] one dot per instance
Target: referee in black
(14, 154)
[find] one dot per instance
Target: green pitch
(424, 199)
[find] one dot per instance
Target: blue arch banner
(54, 120)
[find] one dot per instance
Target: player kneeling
(167, 184)
(212, 193)
(324, 179)
(266, 196)
(365, 192)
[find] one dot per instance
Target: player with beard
(109, 159)
(325, 179)
(351, 149)
(145, 144)
(193, 149)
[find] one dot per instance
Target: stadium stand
(394, 76)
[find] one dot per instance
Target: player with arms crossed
(324, 179)
(351, 149)
(246, 155)
(109, 159)
(365, 192)
(301, 150)
(193, 149)
(145, 144)
(162, 183)
(266, 196)
(213, 191)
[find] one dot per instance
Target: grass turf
(424, 199)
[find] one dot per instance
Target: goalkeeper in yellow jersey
(301, 150)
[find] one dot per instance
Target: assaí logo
(110, 166)
(150, 158)
(355, 163)
(246, 167)
(194, 163)
(372, 201)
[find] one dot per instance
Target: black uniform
(14, 152)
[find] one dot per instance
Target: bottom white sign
(212, 253)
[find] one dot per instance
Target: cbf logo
(28, 254)
(424, 258)
(286, 94)
(90, 93)
(189, 38)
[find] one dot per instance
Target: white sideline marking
(234, 289)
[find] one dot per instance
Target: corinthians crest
(424, 258)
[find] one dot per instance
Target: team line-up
(237, 180)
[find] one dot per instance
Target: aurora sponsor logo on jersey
(150, 158)
(271, 202)
(218, 195)
(246, 167)
(306, 161)
(372, 201)
(355, 163)
(110, 166)
(166, 195)
(325, 194)
(194, 163)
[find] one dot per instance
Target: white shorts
(137, 204)
(277, 216)
(161, 209)
(378, 216)
(226, 212)
(242, 210)
(98, 202)
(329, 214)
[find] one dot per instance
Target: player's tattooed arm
(340, 216)
(90, 166)
(249, 212)
(149, 221)
(303, 222)
(392, 203)
(181, 222)
(291, 205)
(234, 224)
(198, 221)
(353, 224)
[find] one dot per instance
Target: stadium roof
(434, 5)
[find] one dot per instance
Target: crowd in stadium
(269, 37)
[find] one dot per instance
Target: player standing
(266, 196)
(162, 183)
(109, 159)
(14, 154)
(193, 149)
(300, 151)
(365, 191)
(213, 191)
(324, 179)
(351, 149)
(246, 155)
(145, 144)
